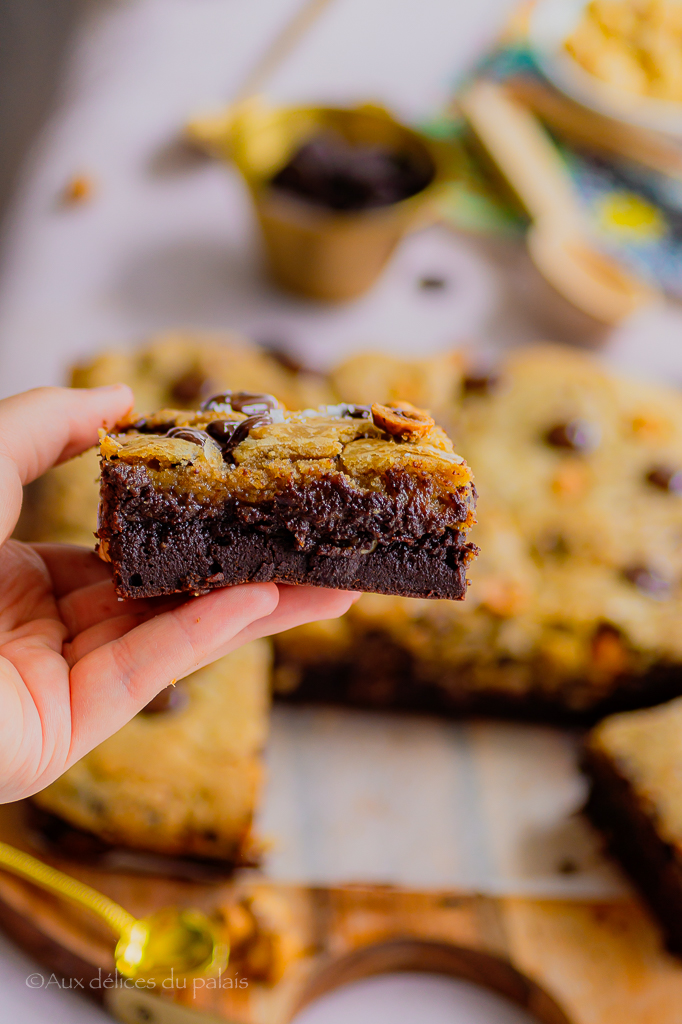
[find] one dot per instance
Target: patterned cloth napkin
(634, 212)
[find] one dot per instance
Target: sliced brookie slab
(346, 497)
(634, 761)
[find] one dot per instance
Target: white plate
(551, 22)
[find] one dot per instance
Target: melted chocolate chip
(188, 434)
(217, 402)
(666, 479)
(576, 436)
(221, 430)
(480, 383)
(356, 412)
(188, 387)
(171, 699)
(260, 419)
(145, 427)
(229, 434)
(253, 402)
(648, 581)
(241, 401)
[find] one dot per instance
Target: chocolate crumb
(173, 698)
(432, 283)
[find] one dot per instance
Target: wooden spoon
(558, 240)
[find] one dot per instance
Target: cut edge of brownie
(631, 837)
(382, 675)
(158, 545)
(60, 838)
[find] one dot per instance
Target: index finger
(48, 425)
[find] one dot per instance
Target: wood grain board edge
(566, 962)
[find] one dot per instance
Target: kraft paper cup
(317, 252)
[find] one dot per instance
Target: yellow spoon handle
(20, 863)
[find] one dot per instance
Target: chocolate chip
(576, 435)
(553, 545)
(250, 402)
(188, 387)
(567, 866)
(479, 383)
(648, 581)
(217, 402)
(221, 430)
(171, 699)
(144, 426)
(356, 412)
(188, 434)
(260, 419)
(277, 352)
(666, 479)
(330, 170)
(432, 283)
(229, 434)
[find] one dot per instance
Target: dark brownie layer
(631, 835)
(61, 839)
(328, 534)
(382, 675)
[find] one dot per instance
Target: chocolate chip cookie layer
(346, 496)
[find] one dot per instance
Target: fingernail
(109, 387)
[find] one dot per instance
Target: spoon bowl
(171, 942)
(584, 275)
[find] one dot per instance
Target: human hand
(76, 663)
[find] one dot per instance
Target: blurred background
(539, 199)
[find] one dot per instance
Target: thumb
(48, 425)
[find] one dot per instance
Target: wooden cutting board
(568, 962)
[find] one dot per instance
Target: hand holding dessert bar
(76, 662)
(344, 497)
